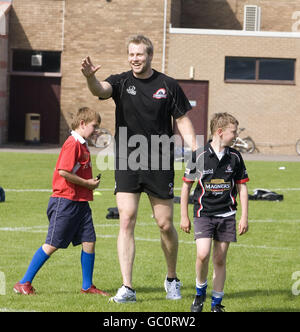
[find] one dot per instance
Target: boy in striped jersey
(221, 175)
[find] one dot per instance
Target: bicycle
(246, 144)
(298, 146)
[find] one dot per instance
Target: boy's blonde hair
(141, 39)
(87, 115)
(222, 120)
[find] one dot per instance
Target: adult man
(146, 101)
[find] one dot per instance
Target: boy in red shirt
(69, 214)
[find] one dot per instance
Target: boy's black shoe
(197, 305)
(218, 308)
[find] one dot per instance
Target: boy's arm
(243, 193)
(90, 184)
(185, 223)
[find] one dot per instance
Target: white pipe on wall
(164, 36)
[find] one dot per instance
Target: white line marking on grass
(14, 310)
(112, 189)
(28, 190)
(274, 189)
(32, 229)
(252, 246)
(42, 229)
(117, 224)
(274, 220)
(285, 189)
(48, 190)
(177, 223)
(249, 246)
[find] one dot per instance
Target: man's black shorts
(158, 184)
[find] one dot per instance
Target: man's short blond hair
(222, 120)
(87, 115)
(141, 39)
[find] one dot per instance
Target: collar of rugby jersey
(212, 152)
(78, 137)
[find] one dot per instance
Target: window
(36, 61)
(276, 69)
(260, 70)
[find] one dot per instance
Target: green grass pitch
(260, 265)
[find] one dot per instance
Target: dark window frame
(257, 80)
(34, 71)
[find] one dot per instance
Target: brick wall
(269, 112)
(80, 28)
(4, 9)
(276, 15)
(100, 29)
(36, 24)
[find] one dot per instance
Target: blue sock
(38, 260)
(87, 265)
(216, 298)
(201, 288)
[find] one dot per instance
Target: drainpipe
(63, 25)
(164, 36)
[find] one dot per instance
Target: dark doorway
(197, 93)
(34, 94)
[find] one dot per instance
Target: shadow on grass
(256, 300)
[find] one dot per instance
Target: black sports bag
(265, 195)
(2, 195)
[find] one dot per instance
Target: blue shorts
(69, 221)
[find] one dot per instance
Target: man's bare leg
(163, 213)
(127, 205)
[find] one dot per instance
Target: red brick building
(222, 64)
(4, 18)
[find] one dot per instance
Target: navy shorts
(69, 221)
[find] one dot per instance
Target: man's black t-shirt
(145, 107)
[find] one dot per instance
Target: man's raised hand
(87, 67)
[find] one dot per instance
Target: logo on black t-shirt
(217, 186)
(131, 90)
(160, 93)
